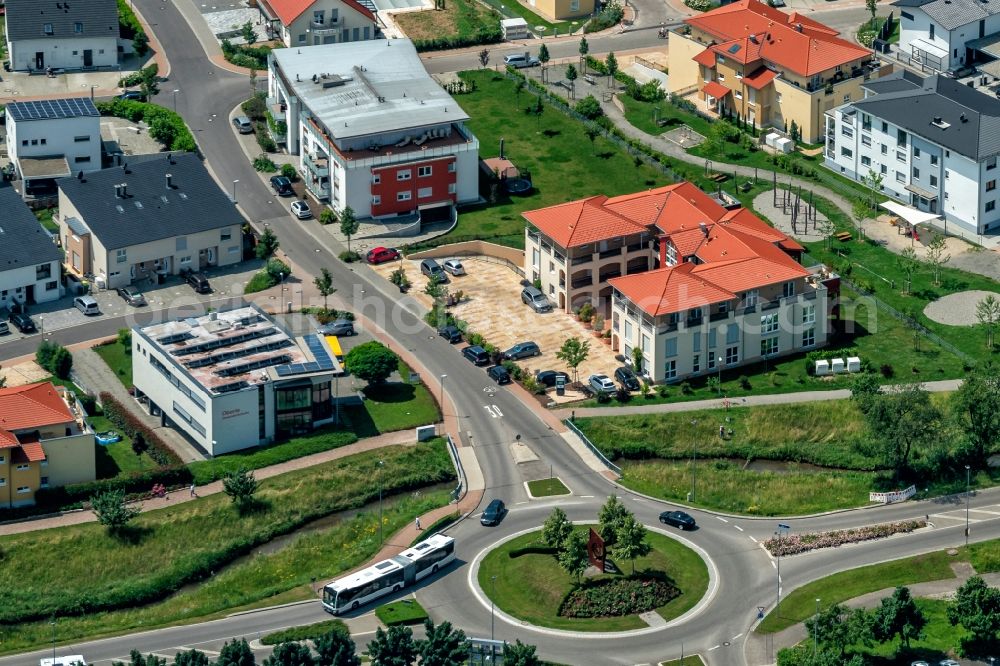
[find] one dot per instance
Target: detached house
(947, 34)
(769, 67)
(314, 22)
(62, 34)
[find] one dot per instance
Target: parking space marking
(738, 527)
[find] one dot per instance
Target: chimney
(704, 229)
(964, 118)
(118, 191)
(170, 184)
(124, 187)
(753, 38)
(798, 26)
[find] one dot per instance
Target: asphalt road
(746, 577)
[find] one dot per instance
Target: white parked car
(300, 209)
(454, 266)
(601, 384)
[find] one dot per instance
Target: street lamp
(816, 631)
(967, 505)
(380, 465)
(443, 377)
(234, 190)
(175, 99)
(694, 458)
(718, 361)
(492, 615)
(782, 529)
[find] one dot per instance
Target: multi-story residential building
(29, 259)
(53, 138)
(312, 22)
(934, 141)
(159, 216)
(375, 132)
(233, 380)
(61, 34)
(769, 67)
(45, 442)
(944, 34)
(562, 10)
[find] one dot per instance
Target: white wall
(63, 53)
(57, 136)
(233, 425)
(14, 284)
(299, 33)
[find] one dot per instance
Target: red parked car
(381, 255)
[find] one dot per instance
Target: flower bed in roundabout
(531, 586)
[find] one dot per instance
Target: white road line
(738, 527)
(586, 497)
(736, 636)
(638, 499)
(516, 503)
(773, 564)
(753, 539)
(714, 647)
(722, 519)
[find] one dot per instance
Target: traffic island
(546, 488)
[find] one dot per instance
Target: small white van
(87, 305)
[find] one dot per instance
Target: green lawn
(305, 632)
(268, 579)
(535, 20)
(168, 548)
(119, 359)
(393, 406)
(404, 611)
(45, 214)
(532, 586)
(459, 18)
(547, 488)
(644, 115)
(118, 458)
(563, 164)
(687, 661)
(840, 587)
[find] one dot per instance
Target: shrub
(132, 426)
(801, 543)
(686, 388)
(256, 106)
(264, 139)
(289, 172)
(306, 632)
(612, 14)
(589, 108)
(887, 370)
(532, 549)
(165, 126)
(55, 358)
(350, 256)
(277, 269)
(616, 597)
(264, 163)
(663, 390)
(745, 382)
(242, 55)
(488, 32)
(130, 28)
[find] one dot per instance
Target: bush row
(130, 28)
(801, 543)
(489, 33)
(165, 126)
(617, 597)
(243, 55)
(132, 426)
(135, 485)
(611, 15)
(304, 633)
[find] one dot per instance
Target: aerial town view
(499, 333)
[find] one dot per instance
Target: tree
(267, 244)
(611, 63)
(571, 76)
(573, 558)
(324, 285)
(536, 109)
(864, 387)
(976, 407)
(543, 57)
(349, 224)
(484, 57)
(248, 33)
(872, 6)
(592, 133)
(191, 658)
(630, 540)
(936, 257)
(987, 312)
(518, 88)
(241, 486)
(574, 352)
(519, 654)
(326, 216)
(140, 43)
(112, 511)
(556, 529)
(372, 361)
(874, 182)
(611, 517)
(794, 132)
(394, 647)
(977, 608)
(139, 444)
(443, 645)
(149, 80)
(290, 653)
(136, 658)
(336, 649)
(899, 421)
(125, 339)
(836, 627)
(589, 108)
(637, 360)
(898, 615)
(236, 653)
(55, 358)
(826, 227)
(906, 261)
(583, 49)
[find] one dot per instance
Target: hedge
(118, 414)
(165, 126)
(305, 632)
(617, 597)
(487, 34)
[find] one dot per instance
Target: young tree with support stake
(571, 76)
(988, 315)
(611, 62)
(324, 284)
(584, 50)
(349, 225)
(543, 58)
(574, 352)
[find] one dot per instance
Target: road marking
(738, 527)
(516, 503)
(586, 497)
(722, 519)
(493, 410)
(960, 519)
(773, 564)
(637, 499)
(753, 539)
(714, 647)
(736, 636)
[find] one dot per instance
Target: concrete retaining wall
(472, 248)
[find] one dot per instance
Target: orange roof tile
(33, 451)
(667, 290)
(791, 41)
(716, 89)
(706, 58)
(687, 242)
(581, 222)
(289, 10)
(741, 50)
(760, 78)
(8, 439)
(32, 406)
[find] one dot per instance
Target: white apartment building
(935, 143)
(374, 131)
(233, 380)
(314, 22)
(53, 138)
(29, 259)
(61, 34)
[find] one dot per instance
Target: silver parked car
(339, 327)
(601, 384)
(454, 266)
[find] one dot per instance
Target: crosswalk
(957, 515)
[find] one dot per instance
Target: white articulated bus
(424, 559)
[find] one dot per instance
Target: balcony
(770, 305)
(691, 322)
(719, 316)
(583, 259)
(607, 254)
(635, 247)
(562, 283)
(319, 166)
(748, 309)
(610, 274)
(324, 28)
(580, 282)
(809, 295)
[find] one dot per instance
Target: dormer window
(47, 29)
(78, 27)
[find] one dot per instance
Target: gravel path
(957, 309)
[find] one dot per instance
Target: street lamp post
(967, 478)
(234, 190)
(175, 99)
(718, 362)
(380, 465)
(694, 460)
(443, 377)
(816, 631)
(492, 615)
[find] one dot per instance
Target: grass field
(393, 406)
(547, 488)
(168, 548)
(119, 359)
(531, 587)
(404, 611)
(45, 214)
(265, 579)
(117, 458)
(686, 661)
(305, 632)
(459, 18)
(563, 164)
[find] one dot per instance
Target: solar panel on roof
(45, 109)
(734, 48)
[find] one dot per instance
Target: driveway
(492, 306)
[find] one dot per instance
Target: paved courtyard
(957, 309)
(494, 308)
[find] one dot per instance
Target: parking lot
(492, 306)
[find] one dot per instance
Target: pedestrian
(193, 493)
(418, 523)
(722, 432)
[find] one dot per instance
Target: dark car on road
(677, 519)
(494, 513)
(450, 333)
(476, 354)
(549, 377)
(626, 377)
(135, 95)
(23, 322)
(198, 282)
(132, 296)
(522, 350)
(499, 374)
(282, 186)
(339, 327)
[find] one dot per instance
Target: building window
(186, 260)
(81, 160)
(574, 5)
(711, 361)
(934, 181)
(885, 149)
(78, 27)
(900, 177)
(885, 127)
(916, 172)
(732, 355)
(47, 29)
(424, 171)
(769, 346)
(991, 163)
(737, 94)
(43, 271)
(81, 139)
(769, 323)
(991, 185)
(885, 170)
(900, 156)
(934, 160)
(404, 196)
(225, 234)
(43, 482)
(376, 179)
(847, 98)
(778, 98)
(990, 206)
(451, 167)
(696, 363)
(180, 243)
(866, 161)
(376, 200)
(425, 192)
(846, 152)
(809, 314)
(847, 131)
(750, 298)
(670, 349)
(930, 32)
(404, 174)
(23, 490)
(670, 369)
(302, 39)
(866, 140)
(3, 482)
(452, 188)
(916, 153)
(788, 289)
(121, 256)
(809, 337)
(23, 467)
(732, 334)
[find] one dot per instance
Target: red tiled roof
(706, 58)
(289, 10)
(715, 89)
(760, 78)
(8, 439)
(668, 290)
(33, 452)
(687, 242)
(791, 41)
(32, 406)
(581, 222)
(742, 50)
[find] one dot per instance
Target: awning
(992, 68)
(920, 192)
(928, 47)
(760, 78)
(989, 45)
(715, 89)
(43, 167)
(706, 58)
(911, 215)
